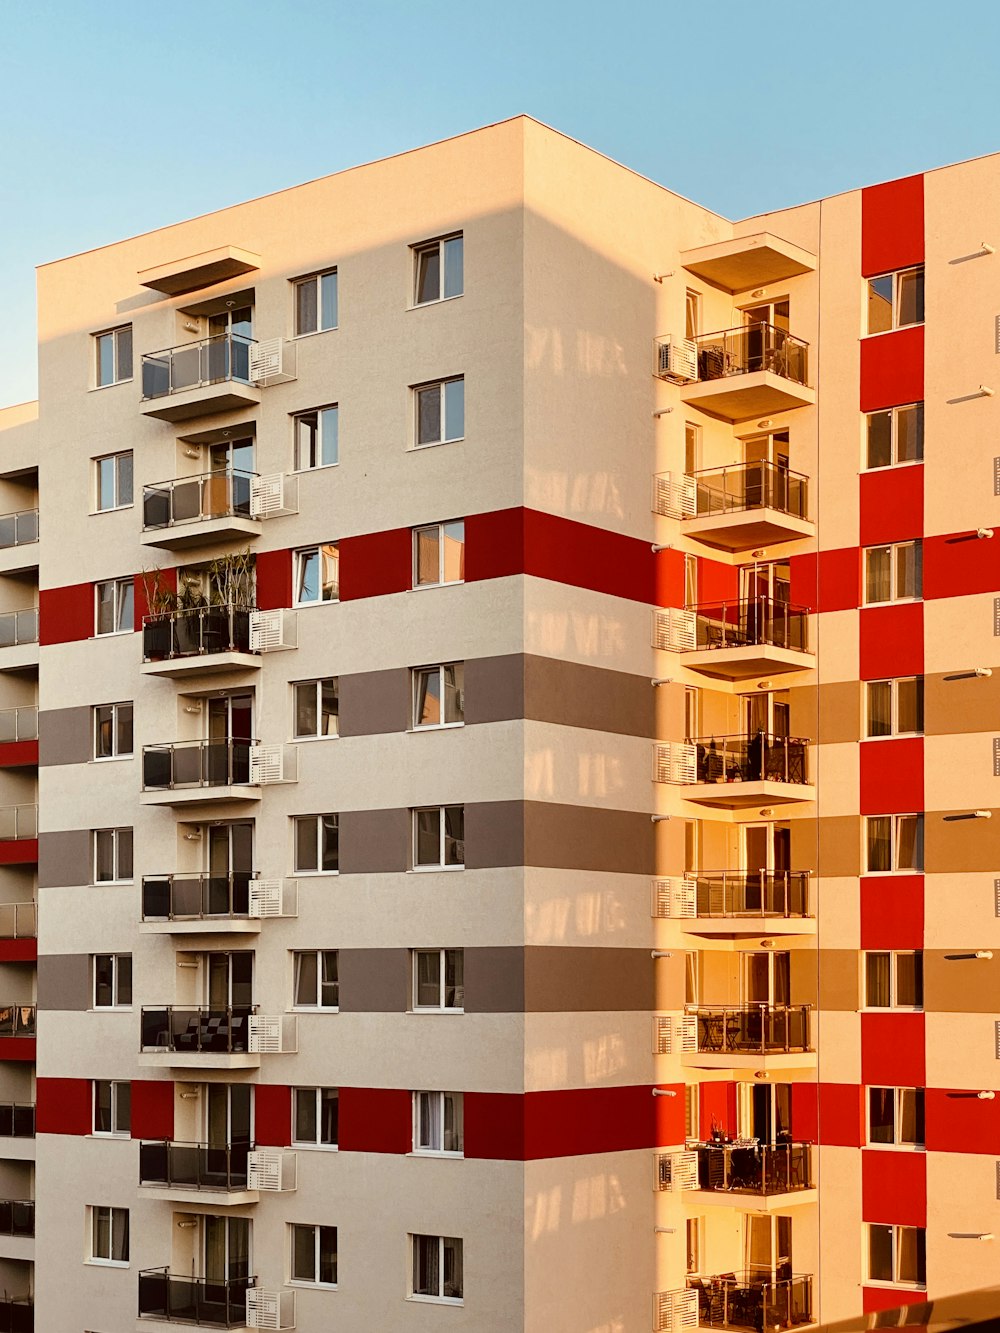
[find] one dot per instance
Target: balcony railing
(18, 627)
(19, 724)
(226, 356)
(752, 1029)
(192, 897)
(208, 495)
(760, 758)
(18, 921)
(18, 821)
(194, 1300)
(195, 764)
(194, 1031)
(17, 1217)
(17, 1020)
(749, 1301)
(17, 1120)
(18, 529)
(17, 1314)
(755, 893)
(756, 485)
(198, 1166)
(750, 622)
(755, 1168)
(195, 631)
(752, 348)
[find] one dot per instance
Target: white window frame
(322, 551)
(116, 855)
(115, 460)
(117, 1130)
(431, 1107)
(316, 1229)
(893, 413)
(116, 753)
(123, 589)
(319, 442)
(894, 843)
(893, 682)
(894, 594)
(106, 1261)
(317, 685)
(441, 530)
(319, 1144)
(317, 280)
(117, 377)
(441, 1007)
(895, 1280)
(116, 981)
(320, 955)
(895, 275)
(444, 433)
(898, 1142)
(894, 1005)
(440, 668)
(296, 819)
(441, 864)
(415, 1237)
(426, 247)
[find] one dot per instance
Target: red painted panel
(892, 369)
(272, 1115)
(805, 1112)
(829, 581)
(892, 775)
(892, 225)
(892, 911)
(957, 1121)
(152, 1109)
(494, 544)
(376, 1120)
(583, 556)
(274, 579)
(892, 504)
(888, 1298)
(716, 1109)
(66, 614)
(18, 951)
(892, 1050)
(894, 1187)
(891, 640)
(376, 564)
(841, 1115)
(19, 754)
(18, 851)
(572, 1122)
(63, 1106)
(494, 1125)
(717, 582)
(960, 564)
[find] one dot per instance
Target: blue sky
(119, 117)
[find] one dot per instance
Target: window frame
(893, 414)
(115, 460)
(115, 333)
(893, 682)
(322, 552)
(894, 844)
(123, 587)
(116, 752)
(895, 1281)
(320, 955)
(116, 855)
(108, 1261)
(898, 1142)
(894, 595)
(318, 684)
(117, 1131)
(895, 274)
(459, 687)
(442, 534)
(442, 1007)
(320, 846)
(421, 248)
(439, 1299)
(442, 387)
(317, 1228)
(422, 867)
(437, 1109)
(318, 442)
(894, 1006)
(118, 967)
(317, 1143)
(317, 279)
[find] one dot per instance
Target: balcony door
(230, 333)
(763, 346)
(227, 490)
(766, 977)
(230, 731)
(769, 578)
(230, 867)
(764, 855)
(227, 1248)
(229, 980)
(765, 1112)
(768, 1247)
(765, 713)
(765, 475)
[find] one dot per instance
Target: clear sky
(119, 117)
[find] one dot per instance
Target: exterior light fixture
(984, 533)
(664, 1092)
(660, 953)
(662, 680)
(983, 671)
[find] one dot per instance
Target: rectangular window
(317, 844)
(896, 300)
(112, 731)
(109, 1235)
(114, 611)
(894, 436)
(439, 837)
(438, 979)
(317, 707)
(893, 573)
(894, 842)
(112, 855)
(314, 1255)
(114, 481)
(316, 1117)
(114, 355)
(439, 554)
(690, 580)
(316, 983)
(691, 1114)
(692, 314)
(317, 438)
(437, 1268)
(440, 411)
(896, 1116)
(316, 303)
(317, 574)
(437, 270)
(897, 1254)
(112, 980)
(692, 447)
(693, 1250)
(112, 1107)
(893, 980)
(438, 1123)
(439, 695)
(895, 707)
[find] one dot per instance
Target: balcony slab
(757, 260)
(180, 536)
(228, 396)
(19, 656)
(748, 1202)
(742, 663)
(201, 664)
(19, 559)
(208, 1197)
(761, 393)
(183, 796)
(199, 1059)
(723, 927)
(203, 926)
(772, 1061)
(742, 795)
(745, 529)
(18, 1247)
(193, 272)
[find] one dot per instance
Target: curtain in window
(453, 1136)
(454, 694)
(429, 1121)
(881, 1112)
(429, 978)
(428, 569)
(910, 1264)
(429, 415)
(910, 980)
(306, 978)
(330, 987)
(119, 1234)
(908, 570)
(910, 705)
(879, 842)
(878, 574)
(329, 1125)
(453, 1280)
(880, 1247)
(911, 1115)
(454, 835)
(426, 1266)
(331, 571)
(910, 433)
(910, 842)
(878, 980)
(454, 979)
(880, 708)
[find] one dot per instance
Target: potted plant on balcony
(161, 603)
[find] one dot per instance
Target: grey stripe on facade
(63, 981)
(64, 736)
(64, 859)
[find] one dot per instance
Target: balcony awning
(748, 261)
(196, 271)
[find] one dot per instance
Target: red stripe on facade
(66, 614)
(63, 1106)
(376, 564)
(892, 1050)
(892, 225)
(272, 1115)
(19, 754)
(894, 1187)
(805, 1112)
(958, 1120)
(891, 641)
(960, 564)
(274, 579)
(152, 1109)
(888, 1298)
(18, 851)
(376, 1120)
(892, 775)
(892, 910)
(18, 951)
(716, 1109)
(841, 1115)
(892, 369)
(827, 581)
(578, 1121)
(892, 504)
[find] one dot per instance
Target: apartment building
(497, 737)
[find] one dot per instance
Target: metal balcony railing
(17, 1120)
(755, 1168)
(194, 1300)
(192, 897)
(199, 1166)
(751, 1029)
(18, 529)
(17, 1020)
(186, 1031)
(750, 622)
(18, 821)
(757, 485)
(19, 724)
(225, 356)
(749, 349)
(18, 627)
(750, 758)
(755, 893)
(18, 921)
(196, 631)
(17, 1217)
(220, 494)
(756, 1302)
(195, 764)
(17, 1314)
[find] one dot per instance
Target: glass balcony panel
(193, 1030)
(762, 893)
(760, 758)
(755, 485)
(212, 360)
(208, 495)
(207, 763)
(193, 1300)
(196, 631)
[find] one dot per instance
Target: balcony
(17, 1217)
(17, 1314)
(194, 772)
(756, 370)
(17, 1033)
(735, 772)
(758, 260)
(17, 1120)
(218, 374)
(732, 903)
(18, 639)
(19, 737)
(190, 274)
(231, 1038)
(193, 1300)
(755, 1177)
(748, 505)
(195, 1172)
(18, 834)
(199, 904)
(18, 932)
(740, 1036)
(754, 1302)
(19, 541)
(198, 640)
(194, 511)
(741, 639)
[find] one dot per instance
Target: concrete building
(516, 855)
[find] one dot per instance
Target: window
(438, 1123)
(895, 707)
(112, 980)
(317, 706)
(692, 447)
(316, 984)
(316, 1117)
(114, 355)
(317, 575)
(439, 554)
(437, 1268)
(896, 1116)
(895, 300)
(440, 411)
(314, 1255)
(112, 855)
(894, 842)
(317, 436)
(894, 436)
(439, 695)
(692, 1259)
(439, 837)
(112, 1107)
(691, 1112)
(317, 844)
(316, 303)
(115, 606)
(896, 1254)
(114, 481)
(437, 270)
(893, 573)
(690, 580)
(438, 979)
(112, 731)
(692, 314)
(109, 1235)
(894, 980)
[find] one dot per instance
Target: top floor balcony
(746, 505)
(222, 373)
(754, 370)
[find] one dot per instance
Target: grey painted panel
(494, 688)
(577, 837)
(494, 981)
(374, 981)
(574, 695)
(64, 858)
(374, 840)
(64, 736)
(494, 834)
(561, 980)
(64, 981)
(374, 701)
